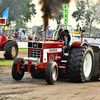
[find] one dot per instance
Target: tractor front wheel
(51, 72)
(17, 75)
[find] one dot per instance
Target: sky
(37, 20)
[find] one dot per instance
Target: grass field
(23, 50)
(6, 62)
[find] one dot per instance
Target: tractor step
(65, 54)
(64, 61)
(61, 66)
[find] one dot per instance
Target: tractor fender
(3, 40)
(2, 44)
(7, 41)
(79, 43)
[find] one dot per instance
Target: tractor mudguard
(3, 40)
(78, 44)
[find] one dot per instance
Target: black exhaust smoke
(50, 6)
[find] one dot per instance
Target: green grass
(23, 50)
(6, 62)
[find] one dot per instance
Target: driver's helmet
(61, 32)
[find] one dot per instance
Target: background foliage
(20, 11)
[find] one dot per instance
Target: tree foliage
(79, 13)
(19, 10)
(87, 12)
(58, 16)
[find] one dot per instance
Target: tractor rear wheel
(11, 49)
(17, 75)
(51, 72)
(80, 64)
(38, 74)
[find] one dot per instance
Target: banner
(5, 13)
(65, 14)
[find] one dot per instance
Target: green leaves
(87, 12)
(18, 9)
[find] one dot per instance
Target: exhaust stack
(44, 35)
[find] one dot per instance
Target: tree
(18, 9)
(20, 24)
(86, 11)
(79, 13)
(58, 16)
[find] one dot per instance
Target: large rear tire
(17, 75)
(80, 64)
(11, 49)
(51, 72)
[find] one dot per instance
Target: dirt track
(20, 55)
(37, 89)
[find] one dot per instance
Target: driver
(64, 35)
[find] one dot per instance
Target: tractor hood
(45, 45)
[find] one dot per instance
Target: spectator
(49, 32)
(36, 38)
(91, 35)
(23, 35)
(30, 38)
(26, 37)
(19, 39)
(86, 40)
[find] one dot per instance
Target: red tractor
(46, 59)
(8, 47)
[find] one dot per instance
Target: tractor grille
(35, 53)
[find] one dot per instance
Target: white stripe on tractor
(52, 50)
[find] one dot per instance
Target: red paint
(30, 62)
(29, 65)
(82, 37)
(2, 21)
(82, 34)
(28, 69)
(52, 44)
(77, 43)
(63, 70)
(18, 61)
(18, 67)
(42, 55)
(3, 39)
